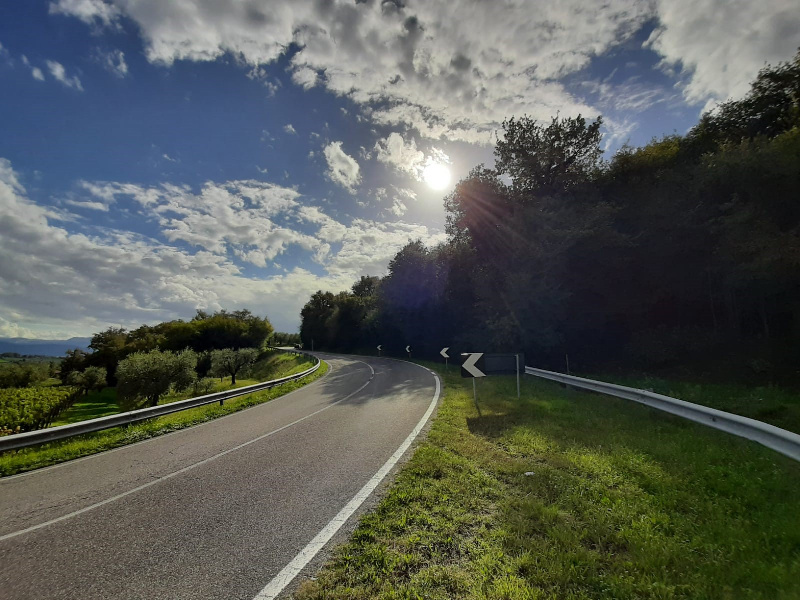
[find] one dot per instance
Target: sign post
(379, 349)
(478, 364)
(408, 349)
(444, 353)
(472, 368)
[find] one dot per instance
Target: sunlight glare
(437, 176)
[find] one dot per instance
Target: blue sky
(160, 157)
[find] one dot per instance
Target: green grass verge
(26, 459)
(573, 495)
(773, 405)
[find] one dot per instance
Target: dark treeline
(202, 334)
(681, 253)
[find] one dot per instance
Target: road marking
(291, 570)
(180, 471)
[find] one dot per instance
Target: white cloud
(63, 283)
(403, 156)
(456, 69)
(290, 129)
(13, 330)
(722, 44)
(36, 72)
(88, 11)
(452, 70)
(305, 77)
(342, 168)
(113, 62)
(58, 71)
(89, 204)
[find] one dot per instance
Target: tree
(143, 377)
(771, 107)
(22, 375)
(237, 329)
(230, 361)
(108, 348)
(314, 320)
(366, 287)
(548, 159)
(93, 378)
(74, 360)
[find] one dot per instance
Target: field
(565, 494)
(94, 405)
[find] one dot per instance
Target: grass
(35, 457)
(91, 406)
(773, 405)
(565, 494)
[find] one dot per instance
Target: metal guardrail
(778, 439)
(40, 436)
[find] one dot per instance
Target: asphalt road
(213, 511)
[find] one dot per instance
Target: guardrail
(40, 436)
(778, 439)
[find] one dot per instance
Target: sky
(162, 157)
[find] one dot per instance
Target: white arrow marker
(444, 353)
(408, 348)
(379, 346)
(469, 365)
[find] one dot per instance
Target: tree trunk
(233, 378)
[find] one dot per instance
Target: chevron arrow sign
(473, 365)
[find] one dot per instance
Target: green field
(572, 495)
(99, 404)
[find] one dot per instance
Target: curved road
(222, 510)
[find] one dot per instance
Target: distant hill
(42, 347)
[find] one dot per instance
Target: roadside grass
(773, 405)
(27, 459)
(566, 494)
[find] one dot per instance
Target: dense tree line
(682, 252)
(203, 334)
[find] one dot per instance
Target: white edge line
(183, 470)
(291, 570)
(73, 461)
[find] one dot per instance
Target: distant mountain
(42, 347)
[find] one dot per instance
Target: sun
(436, 175)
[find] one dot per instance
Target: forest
(679, 256)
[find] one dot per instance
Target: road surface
(213, 511)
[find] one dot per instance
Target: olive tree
(230, 362)
(144, 377)
(92, 378)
